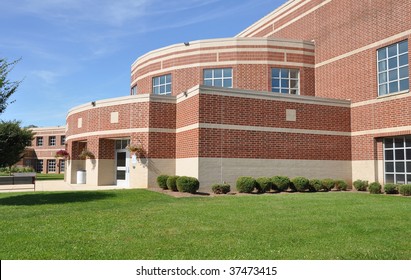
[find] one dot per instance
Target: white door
(122, 167)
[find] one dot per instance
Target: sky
(77, 51)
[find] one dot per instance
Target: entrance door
(122, 167)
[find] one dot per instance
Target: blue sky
(77, 51)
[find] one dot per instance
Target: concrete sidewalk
(54, 185)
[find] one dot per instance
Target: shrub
(315, 185)
(405, 190)
(187, 184)
(246, 184)
(360, 185)
(162, 181)
(264, 184)
(327, 184)
(171, 183)
(280, 183)
(341, 185)
(221, 188)
(391, 189)
(301, 184)
(375, 188)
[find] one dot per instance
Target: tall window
(51, 165)
(219, 77)
(397, 160)
(62, 165)
(39, 141)
(52, 141)
(134, 90)
(393, 68)
(39, 166)
(63, 140)
(162, 85)
(285, 81)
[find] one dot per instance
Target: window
(285, 81)
(62, 165)
(162, 85)
(39, 166)
(122, 144)
(134, 90)
(63, 140)
(52, 141)
(39, 141)
(219, 77)
(393, 68)
(397, 160)
(51, 165)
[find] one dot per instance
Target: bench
(27, 178)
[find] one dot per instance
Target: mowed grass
(49, 176)
(139, 224)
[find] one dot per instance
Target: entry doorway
(122, 156)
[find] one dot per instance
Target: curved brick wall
(250, 58)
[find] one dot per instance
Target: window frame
(63, 140)
(403, 163)
(52, 141)
(281, 88)
(39, 141)
(387, 72)
(51, 166)
(134, 90)
(223, 78)
(160, 85)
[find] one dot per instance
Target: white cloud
(48, 77)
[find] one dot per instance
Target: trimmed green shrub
(327, 184)
(221, 188)
(315, 185)
(280, 183)
(264, 184)
(391, 189)
(405, 190)
(171, 183)
(187, 184)
(301, 184)
(375, 188)
(246, 184)
(361, 185)
(341, 185)
(162, 181)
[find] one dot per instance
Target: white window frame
(134, 90)
(62, 139)
(397, 160)
(162, 85)
(39, 141)
(51, 165)
(219, 77)
(52, 141)
(62, 165)
(285, 78)
(392, 79)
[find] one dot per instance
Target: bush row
(283, 183)
(15, 169)
(178, 183)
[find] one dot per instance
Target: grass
(139, 224)
(49, 176)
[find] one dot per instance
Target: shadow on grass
(54, 198)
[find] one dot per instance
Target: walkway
(53, 185)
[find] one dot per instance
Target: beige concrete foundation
(369, 170)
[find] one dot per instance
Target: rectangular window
(285, 81)
(39, 141)
(134, 90)
(392, 65)
(62, 165)
(51, 165)
(162, 85)
(397, 160)
(39, 166)
(52, 141)
(63, 140)
(218, 77)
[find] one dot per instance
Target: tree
(7, 88)
(13, 141)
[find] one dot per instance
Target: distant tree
(13, 141)
(7, 88)
(31, 126)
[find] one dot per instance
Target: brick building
(41, 154)
(317, 88)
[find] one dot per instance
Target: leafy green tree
(7, 88)
(13, 141)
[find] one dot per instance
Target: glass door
(122, 167)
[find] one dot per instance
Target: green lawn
(49, 176)
(139, 224)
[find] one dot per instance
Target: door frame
(126, 182)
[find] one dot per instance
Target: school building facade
(317, 88)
